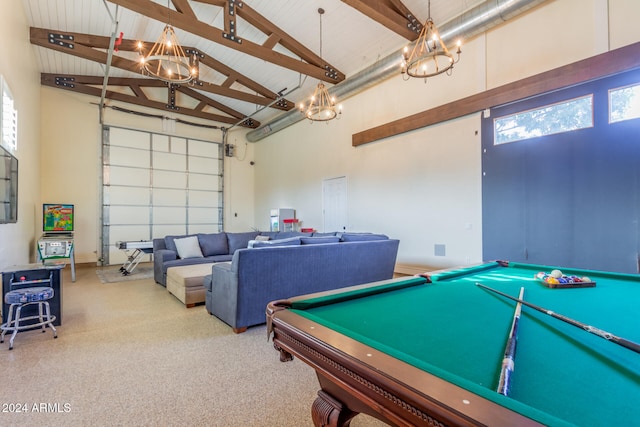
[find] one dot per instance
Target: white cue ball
(556, 273)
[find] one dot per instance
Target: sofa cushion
(319, 240)
(359, 237)
(292, 241)
(213, 243)
(188, 247)
(240, 240)
(289, 234)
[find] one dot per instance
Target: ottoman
(186, 282)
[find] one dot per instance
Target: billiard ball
(556, 273)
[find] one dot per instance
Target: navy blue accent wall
(570, 199)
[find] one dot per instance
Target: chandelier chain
(321, 12)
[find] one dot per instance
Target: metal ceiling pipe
(465, 26)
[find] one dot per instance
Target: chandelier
(429, 56)
(167, 60)
(321, 106)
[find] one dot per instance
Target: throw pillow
(169, 241)
(213, 244)
(188, 247)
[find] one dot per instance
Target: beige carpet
(131, 354)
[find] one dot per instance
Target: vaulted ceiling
(257, 58)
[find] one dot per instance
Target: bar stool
(24, 297)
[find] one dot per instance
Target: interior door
(334, 204)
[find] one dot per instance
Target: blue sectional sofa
(214, 247)
(238, 292)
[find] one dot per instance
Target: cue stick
(599, 332)
(508, 362)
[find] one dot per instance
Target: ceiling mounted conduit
(466, 26)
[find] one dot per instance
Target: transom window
(551, 119)
(624, 103)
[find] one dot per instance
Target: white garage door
(154, 185)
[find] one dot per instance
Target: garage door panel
(169, 161)
(204, 149)
(134, 157)
(169, 197)
(203, 215)
(129, 215)
(168, 179)
(203, 182)
(162, 230)
(203, 228)
(204, 198)
(129, 176)
(123, 233)
(204, 165)
(128, 196)
(129, 138)
(169, 215)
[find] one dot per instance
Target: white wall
(20, 70)
(424, 187)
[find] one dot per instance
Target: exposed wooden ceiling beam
(393, 14)
(310, 65)
(88, 86)
(183, 7)
(92, 47)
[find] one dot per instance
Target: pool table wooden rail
(355, 378)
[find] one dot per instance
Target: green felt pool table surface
(457, 331)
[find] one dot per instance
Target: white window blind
(9, 118)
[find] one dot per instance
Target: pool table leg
(327, 411)
(285, 356)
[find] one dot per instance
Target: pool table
(428, 350)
